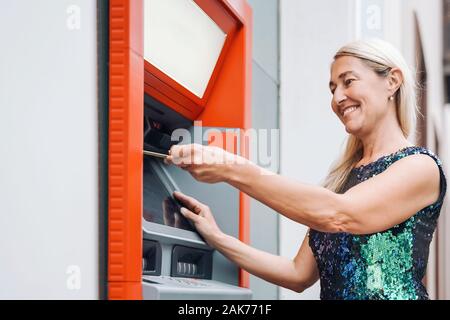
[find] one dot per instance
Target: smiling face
(360, 95)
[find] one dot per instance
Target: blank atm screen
(159, 205)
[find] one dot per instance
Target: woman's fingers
(189, 214)
(177, 150)
(200, 215)
(192, 203)
(179, 154)
(187, 154)
(184, 198)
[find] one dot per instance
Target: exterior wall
(429, 14)
(49, 172)
(444, 224)
(263, 220)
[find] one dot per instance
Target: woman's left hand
(200, 215)
(204, 163)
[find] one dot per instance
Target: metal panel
(265, 38)
(49, 171)
(265, 79)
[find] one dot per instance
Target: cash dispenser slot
(191, 262)
(151, 258)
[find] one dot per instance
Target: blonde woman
(372, 222)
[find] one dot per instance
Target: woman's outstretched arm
(387, 199)
(377, 204)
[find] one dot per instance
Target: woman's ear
(395, 80)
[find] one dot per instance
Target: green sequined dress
(385, 265)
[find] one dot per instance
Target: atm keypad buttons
(188, 269)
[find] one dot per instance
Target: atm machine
(174, 64)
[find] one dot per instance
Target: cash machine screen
(159, 205)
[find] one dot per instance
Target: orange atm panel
(225, 103)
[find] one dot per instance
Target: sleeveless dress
(384, 265)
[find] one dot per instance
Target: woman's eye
(348, 81)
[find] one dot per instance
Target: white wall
(48, 146)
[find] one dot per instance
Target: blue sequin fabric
(385, 265)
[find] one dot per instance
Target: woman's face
(360, 96)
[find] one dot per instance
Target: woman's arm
(297, 274)
(379, 203)
(314, 206)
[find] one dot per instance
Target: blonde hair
(381, 57)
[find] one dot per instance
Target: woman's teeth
(348, 110)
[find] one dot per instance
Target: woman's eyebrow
(342, 75)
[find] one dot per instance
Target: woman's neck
(381, 142)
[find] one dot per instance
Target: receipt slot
(177, 64)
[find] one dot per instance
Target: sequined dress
(384, 265)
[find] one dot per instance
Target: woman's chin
(352, 128)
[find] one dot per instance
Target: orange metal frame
(226, 103)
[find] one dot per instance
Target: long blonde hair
(381, 57)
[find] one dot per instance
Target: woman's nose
(339, 97)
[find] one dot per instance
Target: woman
(372, 222)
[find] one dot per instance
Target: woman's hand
(201, 217)
(204, 163)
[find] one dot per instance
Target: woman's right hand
(205, 163)
(200, 215)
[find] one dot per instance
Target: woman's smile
(349, 110)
